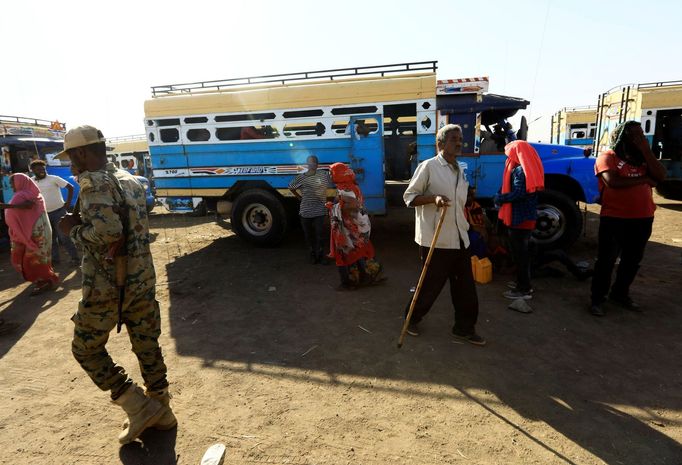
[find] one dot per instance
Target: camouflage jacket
(100, 201)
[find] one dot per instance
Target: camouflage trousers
(93, 323)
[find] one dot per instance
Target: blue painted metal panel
(484, 172)
(584, 141)
(258, 153)
(556, 159)
(365, 155)
(426, 146)
(367, 160)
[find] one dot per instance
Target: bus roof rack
(28, 121)
(132, 138)
(650, 85)
(580, 108)
(330, 74)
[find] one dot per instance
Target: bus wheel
(259, 217)
(559, 221)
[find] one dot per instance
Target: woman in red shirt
(626, 174)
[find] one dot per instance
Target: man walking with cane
(439, 182)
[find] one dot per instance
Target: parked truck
(575, 126)
(234, 145)
(658, 106)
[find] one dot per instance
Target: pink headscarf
(21, 221)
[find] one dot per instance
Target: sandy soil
(267, 358)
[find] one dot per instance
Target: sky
(87, 62)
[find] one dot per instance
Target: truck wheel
(559, 221)
(259, 217)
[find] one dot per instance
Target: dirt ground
(265, 356)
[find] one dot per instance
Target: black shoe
(625, 302)
(596, 310)
(313, 259)
(413, 329)
(471, 338)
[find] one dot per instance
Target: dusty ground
(267, 358)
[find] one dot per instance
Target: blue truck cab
(233, 146)
(569, 171)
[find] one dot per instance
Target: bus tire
(559, 221)
(259, 217)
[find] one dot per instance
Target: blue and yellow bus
(234, 145)
(658, 106)
(23, 140)
(574, 126)
(130, 153)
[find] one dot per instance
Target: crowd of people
(626, 175)
(111, 223)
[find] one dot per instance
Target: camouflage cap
(79, 137)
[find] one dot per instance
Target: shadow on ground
(22, 310)
(255, 307)
(157, 447)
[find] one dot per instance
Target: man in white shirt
(50, 187)
(437, 182)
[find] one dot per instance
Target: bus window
(198, 135)
(169, 135)
(304, 129)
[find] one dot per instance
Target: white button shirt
(50, 186)
(436, 176)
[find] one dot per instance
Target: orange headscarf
(520, 152)
(344, 178)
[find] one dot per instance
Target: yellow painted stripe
(662, 98)
(360, 91)
(129, 146)
(581, 116)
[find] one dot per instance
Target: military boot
(168, 420)
(142, 412)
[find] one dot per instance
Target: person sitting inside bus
(488, 143)
(250, 132)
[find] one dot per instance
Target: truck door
(367, 159)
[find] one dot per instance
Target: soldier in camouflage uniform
(109, 199)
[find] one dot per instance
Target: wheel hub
(257, 219)
(550, 224)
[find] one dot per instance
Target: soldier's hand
(67, 223)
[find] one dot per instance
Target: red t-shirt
(625, 202)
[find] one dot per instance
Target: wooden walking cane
(422, 276)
